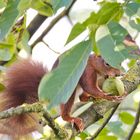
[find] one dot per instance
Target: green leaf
(133, 9)
(104, 132)
(23, 44)
(131, 52)
(136, 136)
(131, 63)
(58, 85)
(2, 4)
(127, 118)
(105, 14)
(8, 18)
(24, 5)
(91, 20)
(137, 1)
(115, 127)
(42, 8)
(106, 138)
(11, 61)
(117, 31)
(106, 45)
(6, 51)
(11, 39)
(60, 3)
(109, 12)
(134, 25)
(83, 135)
(76, 30)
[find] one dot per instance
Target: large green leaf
(60, 3)
(106, 45)
(6, 51)
(117, 31)
(109, 12)
(76, 30)
(57, 86)
(127, 118)
(109, 39)
(133, 9)
(8, 17)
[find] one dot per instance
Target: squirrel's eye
(106, 64)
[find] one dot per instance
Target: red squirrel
(22, 80)
(21, 86)
(89, 83)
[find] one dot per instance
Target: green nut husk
(119, 86)
(113, 86)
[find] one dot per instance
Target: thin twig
(104, 123)
(53, 22)
(51, 48)
(135, 124)
(57, 130)
(70, 21)
(25, 108)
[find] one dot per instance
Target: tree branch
(93, 113)
(36, 107)
(97, 110)
(35, 24)
(25, 108)
(61, 133)
(53, 22)
(104, 123)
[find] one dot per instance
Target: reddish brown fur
(22, 80)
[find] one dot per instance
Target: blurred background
(52, 44)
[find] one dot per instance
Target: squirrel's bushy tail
(21, 82)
